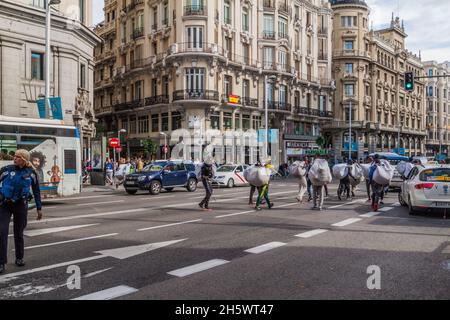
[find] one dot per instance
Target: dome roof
(357, 2)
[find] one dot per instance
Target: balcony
(132, 5)
(210, 95)
(161, 99)
(250, 102)
(268, 35)
(196, 47)
(305, 111)
(195, 10)
(138, 33)
(269, 5)
(351, 53)
(155, 27)
(279, 106)
(165, 22)
(284, 8)
(126, 106)
(282, 35)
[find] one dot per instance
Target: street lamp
(165, 144)
(266, 107)
(48, 54)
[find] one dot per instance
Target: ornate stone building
(22, 55)
(199, 65)
(438, 108)
(369, 67)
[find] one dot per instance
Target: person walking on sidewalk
(16, 181)
(207, 172)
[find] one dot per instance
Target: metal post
(165, 146)
(47, 59)
(266, 140)
(350, 132)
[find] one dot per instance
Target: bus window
(8, 147)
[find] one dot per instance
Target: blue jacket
(372, 170)
(28, 178)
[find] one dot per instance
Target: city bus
(54, 149)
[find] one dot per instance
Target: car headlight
(141, 179)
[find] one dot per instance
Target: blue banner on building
(355, 146)
(41, 108)
(273, 135)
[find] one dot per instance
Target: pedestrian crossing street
(283, 200)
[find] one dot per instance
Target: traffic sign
(114, 142)
(118, 149)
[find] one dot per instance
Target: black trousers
(208, 188)
(19, 211)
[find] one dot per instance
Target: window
(194, 37)
(349, 68)
(349, 90)
(154, 88)
(83, 76)
(227, 86)
(343, 21)
(282, 27)
(133, 125)
(138, 90)
(348, 45)
(165, 122)
(282, 60)
(37, 66)
(227, 12)
(165, 14)
(245, 88)
(245, 20)
(143, 124)
(155, 122)
(165, 87)
(245, 122)
(81, 6)
(430, 72)
(282, 95)
(215, 120)
(268, 57)
(195, 79)
(237, 121)
(227, 120)
(268, 25)
(176, 120)
(256, 122)
(246, 53)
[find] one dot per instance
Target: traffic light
(409, 81)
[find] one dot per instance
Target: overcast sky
(426, 23)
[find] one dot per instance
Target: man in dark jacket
(16, 181)
(207, 173)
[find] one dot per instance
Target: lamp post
(165, 144)
(118, 135)
(350, 108)
(266, 109)
(48, 18)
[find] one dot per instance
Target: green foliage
(320, 141)
(150, 147)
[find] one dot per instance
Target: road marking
(96, 203)
(265, 247)
(287, 205)
(311, 233)
(118, 253)
(369, 214)
(346, 222)
(93, 215)
(69, 241)
(385, 209)
(346, 204)
(39, 232)
(88, 275)
(396, 204)
(183, 272)
(108, 294)
(169, 225)
(234, 214)
(78, 198)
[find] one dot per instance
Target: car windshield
(155, 167)
(436, 175)
(226, 169)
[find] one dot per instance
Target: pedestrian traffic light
(409, 81)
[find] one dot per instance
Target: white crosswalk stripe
(108, 294)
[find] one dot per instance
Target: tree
(320, 141)
(150, 148)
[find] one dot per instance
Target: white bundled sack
(340, 171)
(401, 167)
(365, 168)
(357, 171)
(320, 173)
(384, 173)
(298, 169)
(257, 176)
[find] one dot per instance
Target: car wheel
(230, 183)
(168, 189)
(412, 212)
(191, 185)
(131, 191)
(155, 187)
(400, 199)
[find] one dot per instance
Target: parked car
(427, 188)
(230, 176)
(162, 175)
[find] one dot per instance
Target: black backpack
(207, 171)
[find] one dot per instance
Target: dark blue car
(162, 175)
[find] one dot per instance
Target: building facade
(22, 56)
(201, 65)
(438, 112)
(369, 67)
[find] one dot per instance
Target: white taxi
(230, 175)
(427, 188)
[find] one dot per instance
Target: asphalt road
(166, 247)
